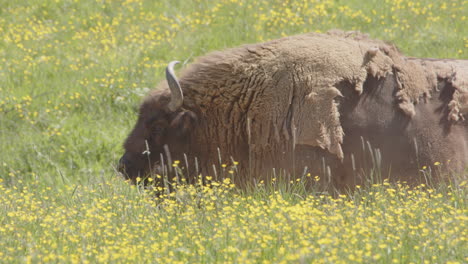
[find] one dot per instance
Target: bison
(339, 105)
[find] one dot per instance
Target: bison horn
(177, 97)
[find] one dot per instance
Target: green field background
(72, 74)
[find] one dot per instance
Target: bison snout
(132, 168)
(124, 165)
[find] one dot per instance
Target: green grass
(72, 74)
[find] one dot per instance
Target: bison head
(162, 122)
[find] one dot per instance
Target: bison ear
(183, 122)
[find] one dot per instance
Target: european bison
(339, 105)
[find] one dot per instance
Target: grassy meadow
(72, 74)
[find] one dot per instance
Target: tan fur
(454, 72)
(296, 76)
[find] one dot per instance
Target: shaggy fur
(320, 101)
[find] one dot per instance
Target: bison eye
(158, 131)
(157, 135)
(156, 127)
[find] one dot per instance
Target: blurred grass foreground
(72, 74)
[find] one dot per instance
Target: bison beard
(339, 105)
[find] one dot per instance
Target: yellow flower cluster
(194, 224)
